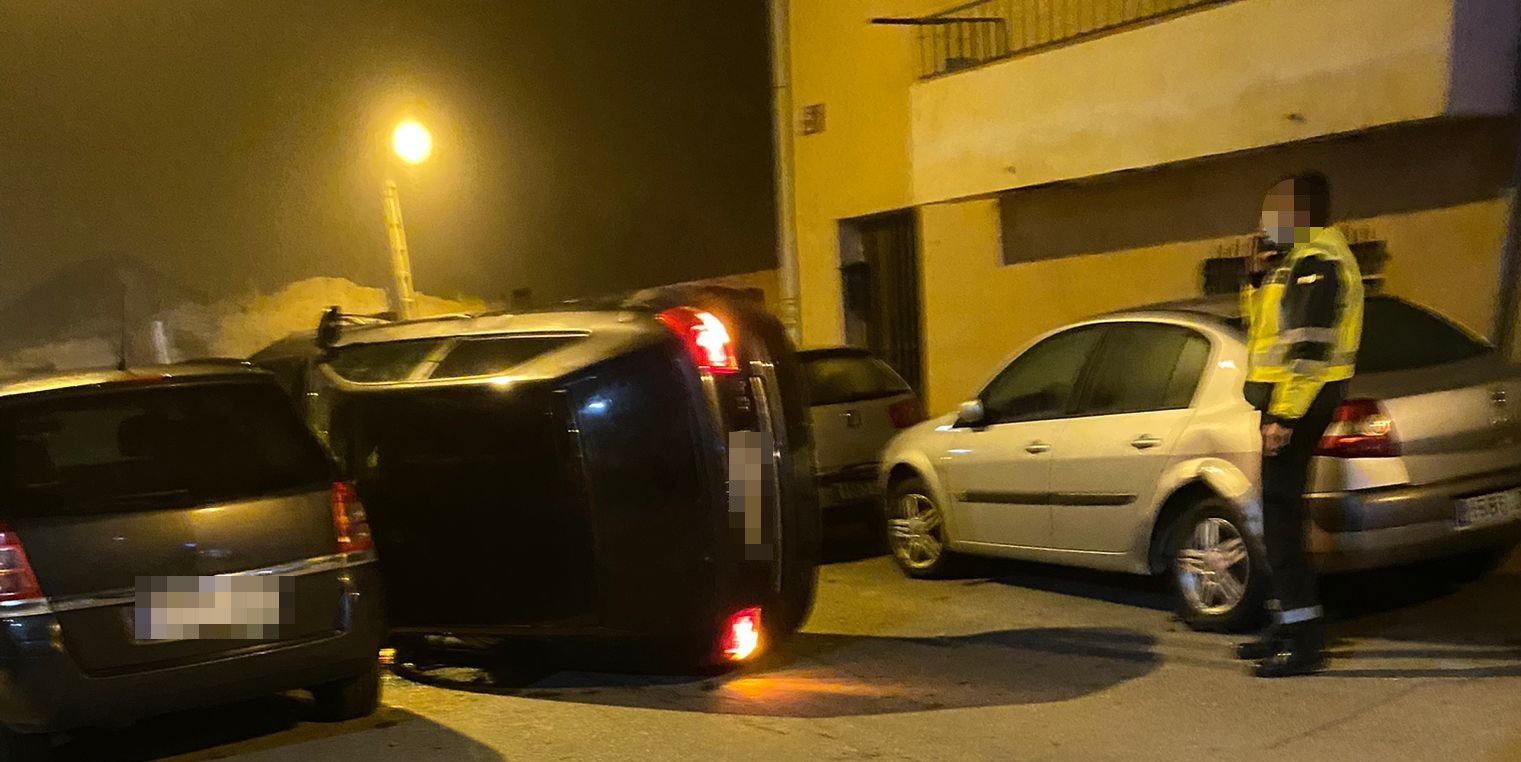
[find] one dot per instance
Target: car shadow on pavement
(1125, 589)
(853, 533)
(1425, 620)
(830, 675)
(268, 724)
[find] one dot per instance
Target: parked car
(856, 404)
(635, 473)
(173, 537)
(1124, 443)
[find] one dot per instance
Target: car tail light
(17, 582)
(1360, 429)
(706, 338)
(906, 413)
(349, 520)
(741, 637)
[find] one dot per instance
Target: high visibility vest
(1271, 332)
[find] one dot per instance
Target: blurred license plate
(211, 608)
(1489, 510)
(855, 490)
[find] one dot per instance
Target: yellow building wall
(978, 313)
(1442, 227)
(1227, 78)
(859, 164)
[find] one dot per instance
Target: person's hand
(1274, 437)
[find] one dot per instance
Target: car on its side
(857, 403)
(1125, 443)
(172, 537)
(634, 474)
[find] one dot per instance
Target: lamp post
(412, 144)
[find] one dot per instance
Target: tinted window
(1040, 382)
(1399, 336)
(159, 447)
(1145, 367)
(488, 357)
(387, 361)
(849, 378)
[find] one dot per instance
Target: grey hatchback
(173, 537)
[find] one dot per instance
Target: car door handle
(1037, 447)
(1145, 442)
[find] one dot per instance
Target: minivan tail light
(17, 582)
(706, 338)
(741, 636)
(349, 520)
(906, 413)
(1360, 428)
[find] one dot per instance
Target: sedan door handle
(1145, 442)
(1037, 447)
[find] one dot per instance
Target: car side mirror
(970, 413)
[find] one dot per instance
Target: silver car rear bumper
(1351, 531)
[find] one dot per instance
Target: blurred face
(1282, 214)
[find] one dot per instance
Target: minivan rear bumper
(1352, 531)
(43, 689)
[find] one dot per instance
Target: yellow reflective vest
(1304, 322)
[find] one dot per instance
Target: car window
(144, 448)
(498, 354)
(1145, 366)
(1040, 382)
(380, 362)
(836, 379)
(1398, 335)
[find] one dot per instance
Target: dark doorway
(879, 273)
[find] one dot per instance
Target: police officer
(1304, 309)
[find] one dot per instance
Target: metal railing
(988, 30)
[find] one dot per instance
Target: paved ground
(1014, 662)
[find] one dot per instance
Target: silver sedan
(1124, 443)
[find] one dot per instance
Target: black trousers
(1283, 516)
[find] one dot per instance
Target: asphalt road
(1013, 661)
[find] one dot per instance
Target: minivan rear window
(836, 379)
(122, 449)
(381, 362)
(488, 356)
(1398, 335)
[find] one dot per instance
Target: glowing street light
(412, 142)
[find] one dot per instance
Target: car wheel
(916, 530)
(349, 698)
(1219, 580)
(24, 747)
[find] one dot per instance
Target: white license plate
(855, 491)
(211, 608)
(1489, 510)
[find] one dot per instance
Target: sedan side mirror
(971, 413)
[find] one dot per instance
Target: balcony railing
(988, 30)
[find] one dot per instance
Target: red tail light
(741, 637)
(706, 338)
(1360, 429)
(17, 582)
(906, 413)
(349, 520)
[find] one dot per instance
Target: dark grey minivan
(173, 537)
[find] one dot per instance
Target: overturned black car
(634, 473)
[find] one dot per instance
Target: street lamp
(412, 144)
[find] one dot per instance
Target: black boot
(1300, 652)
(1259, 649)
(1264, 646)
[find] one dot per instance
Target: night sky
(580, 146)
